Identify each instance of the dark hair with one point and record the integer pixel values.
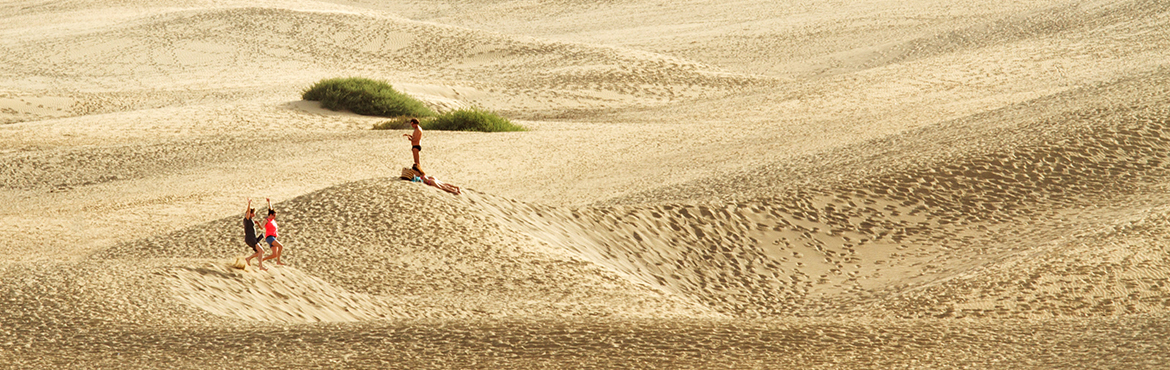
(252, 210)
(272, 212)
(414, 121)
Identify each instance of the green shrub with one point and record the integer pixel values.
(396, 123)
(365, 96)
(473, 119)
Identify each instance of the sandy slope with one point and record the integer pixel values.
(706, 184)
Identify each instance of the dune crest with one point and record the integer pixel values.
(391, 249)
(704, 184)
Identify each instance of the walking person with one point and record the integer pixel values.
(270, 235)
(250, 237)
(415, 138)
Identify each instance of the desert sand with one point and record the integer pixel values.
(704, 184)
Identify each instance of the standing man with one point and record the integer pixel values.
(415, 137)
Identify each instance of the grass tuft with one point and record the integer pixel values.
(396, 123)
(473, 119)
(366, 97)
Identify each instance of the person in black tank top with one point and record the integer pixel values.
(250, 237)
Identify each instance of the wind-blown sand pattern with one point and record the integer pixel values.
(706, 184)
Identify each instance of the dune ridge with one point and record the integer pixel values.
(873, 241)
(386, 248)
(817, 251)
(492, 68)
(706, 184)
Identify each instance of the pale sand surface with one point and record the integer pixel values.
(705, 184)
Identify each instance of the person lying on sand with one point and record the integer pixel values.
(430, 180)
(414, 175)
(415, 139)
(250, 237)
(270, 235)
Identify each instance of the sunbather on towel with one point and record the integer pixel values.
(430, 180)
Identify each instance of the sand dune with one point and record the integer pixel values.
(841, 249)
(231, 54)
(885, 219)
(705, 184)
(420, 252)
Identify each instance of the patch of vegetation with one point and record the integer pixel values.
(473, 119)
(396, 123)
(366, 97)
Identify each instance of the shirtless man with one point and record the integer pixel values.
(415, 137)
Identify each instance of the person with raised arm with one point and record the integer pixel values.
(270, 235)
(250, 237)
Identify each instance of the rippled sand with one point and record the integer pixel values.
(704, 185)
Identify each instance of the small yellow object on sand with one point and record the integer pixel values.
(240, 263)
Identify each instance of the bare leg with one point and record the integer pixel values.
(259, 256)
(442, 185)
(450, 188)
(276, 249)
(416, 164)
(278, 263)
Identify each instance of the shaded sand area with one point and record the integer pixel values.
(705, 184)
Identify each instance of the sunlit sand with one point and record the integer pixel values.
(711, 184)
